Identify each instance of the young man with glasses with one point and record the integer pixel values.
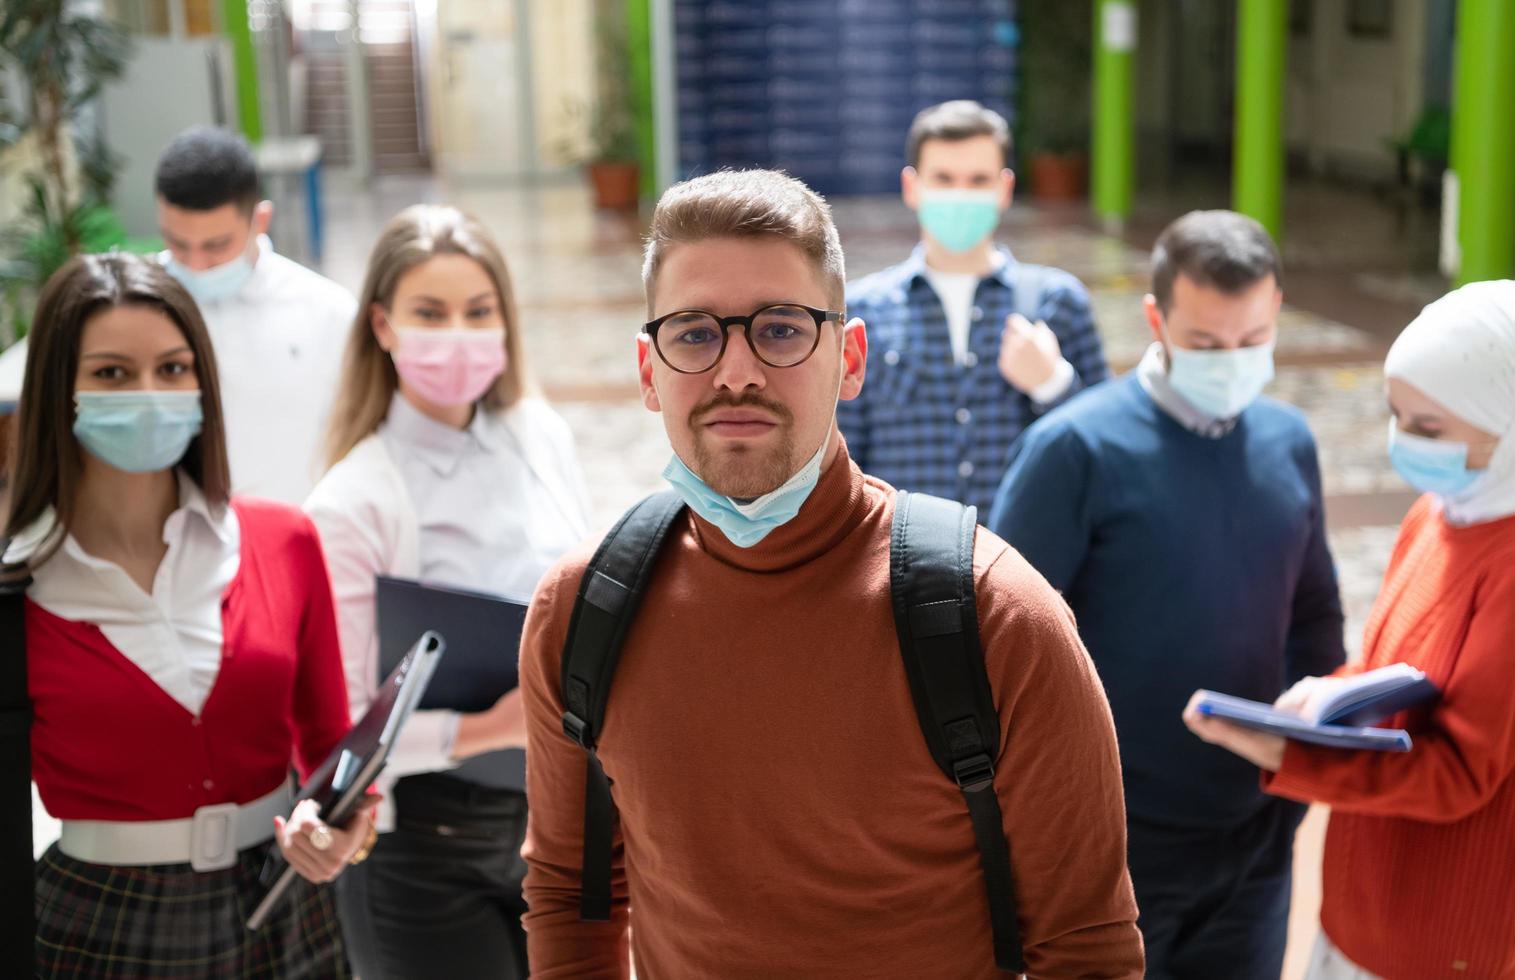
(970, 346)
(779, 810)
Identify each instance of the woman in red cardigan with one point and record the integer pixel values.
(1419, 877)
(181, 648)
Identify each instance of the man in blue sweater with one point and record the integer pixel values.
(1180, 515)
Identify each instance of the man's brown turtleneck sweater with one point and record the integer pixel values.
(780, 812)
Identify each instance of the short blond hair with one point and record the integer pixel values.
(747, 204)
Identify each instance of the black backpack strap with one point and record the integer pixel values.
(608, 596)
(931, 581)
(18, 927)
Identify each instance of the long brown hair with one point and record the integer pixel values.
(369, 381)
(49, 462)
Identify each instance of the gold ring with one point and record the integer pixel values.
(320, 838)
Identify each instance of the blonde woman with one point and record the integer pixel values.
(447, 470)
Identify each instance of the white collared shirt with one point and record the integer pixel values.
(487, 522)
(174, 634)
(278, 345)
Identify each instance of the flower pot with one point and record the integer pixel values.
(616, 185)
(1059, 176)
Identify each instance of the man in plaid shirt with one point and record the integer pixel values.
(967, 347)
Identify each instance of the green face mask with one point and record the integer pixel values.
(958, 220)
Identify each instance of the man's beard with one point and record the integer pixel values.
(739, 471)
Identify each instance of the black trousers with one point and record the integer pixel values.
(440, 896)
(1215, 902)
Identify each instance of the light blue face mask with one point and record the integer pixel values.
(137, 431)
(216, 283)
(958, 219)
(1430, 465)
(1220, 383)
(745, 524)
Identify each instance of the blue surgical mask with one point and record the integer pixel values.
(1430, 465)
(137, 431)
(745, 524)
(216, 283)
(959, 219)
(1220, 383)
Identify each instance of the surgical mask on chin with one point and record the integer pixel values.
(958, 220)
(745, 524)
(1220, 383)
(1431, 465)
(137, 431)
(216, 283)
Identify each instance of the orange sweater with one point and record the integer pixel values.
(780, 813)
(1420, 854)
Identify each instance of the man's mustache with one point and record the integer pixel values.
(749, 400)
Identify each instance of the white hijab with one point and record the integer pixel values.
(1460, 352)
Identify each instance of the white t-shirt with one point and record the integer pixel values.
(956, 291)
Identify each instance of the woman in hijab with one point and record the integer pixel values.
(1419, 876)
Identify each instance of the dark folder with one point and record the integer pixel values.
(483, 634)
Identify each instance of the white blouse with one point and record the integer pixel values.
(488, 508)
(174, 633)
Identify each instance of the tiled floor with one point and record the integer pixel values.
(576, 273)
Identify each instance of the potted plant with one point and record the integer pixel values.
(1056, 64)
(63, 58)
(613, 168)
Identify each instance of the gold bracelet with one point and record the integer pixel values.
(362, 853)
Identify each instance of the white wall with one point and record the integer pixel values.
(1348, 96)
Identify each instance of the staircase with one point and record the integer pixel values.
(386, 31)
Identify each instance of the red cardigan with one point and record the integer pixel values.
(1419, 878)
(109, 744)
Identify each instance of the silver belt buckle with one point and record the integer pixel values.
(213, 837)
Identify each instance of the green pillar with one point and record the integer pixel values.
(1114, 137)
(1483, 139)
(639, 61)
(1262, 28)
(245, 68)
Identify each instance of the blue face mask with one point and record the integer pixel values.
(137, 431)
(217, 282)
(745, 524)
(958, 220)
(1220, 383)
(1430, 465)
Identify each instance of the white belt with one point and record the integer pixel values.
(207, 841)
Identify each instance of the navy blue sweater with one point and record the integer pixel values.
(1189, 562)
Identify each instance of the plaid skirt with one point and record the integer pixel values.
(168, 920)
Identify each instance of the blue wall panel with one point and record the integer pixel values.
(826, 89)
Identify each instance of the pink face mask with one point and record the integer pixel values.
(452, 366)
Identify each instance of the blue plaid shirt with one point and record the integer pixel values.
(927, 424)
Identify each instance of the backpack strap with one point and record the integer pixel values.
(935, 616)
(18, 927)
(1030, 284)
(609, 593)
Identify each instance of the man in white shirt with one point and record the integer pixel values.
(967, 346)
(277, 327)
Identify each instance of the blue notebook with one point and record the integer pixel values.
(483, 634)
(1342, 720)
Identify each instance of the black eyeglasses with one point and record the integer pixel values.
(782, 335)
